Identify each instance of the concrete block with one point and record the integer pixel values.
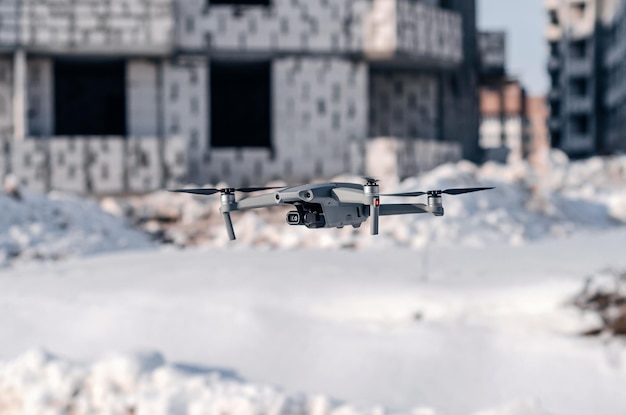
(176, 160)
(67, 164)
(106, 166)
(143, 164)
(29, 160)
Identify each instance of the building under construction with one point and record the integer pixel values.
(132, 95)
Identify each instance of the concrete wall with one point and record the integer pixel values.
(101, 165)
(319, 109)
(401, 158)
(29, 162)
(6, 98)
(414, 30)
(404, 105)
(429, 32)
(92, 26)
(9, 21)
(185, 109)
(311, 25)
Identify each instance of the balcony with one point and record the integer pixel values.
(614, 96)
(144, 28)
(578, 143)
(554, 124)
(554, 33)
(616, 53)
(581, 29)
(414, 32)
(551, 4)
(577, 67)
(554, 94)
(554, 63)
(579, 104)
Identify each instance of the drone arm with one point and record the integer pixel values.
(405, 209)
(256, 202)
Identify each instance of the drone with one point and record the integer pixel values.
(328, 205)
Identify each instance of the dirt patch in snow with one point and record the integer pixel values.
(604, 294)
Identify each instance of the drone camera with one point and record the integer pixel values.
(295, 218)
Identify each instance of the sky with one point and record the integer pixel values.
(524, 22)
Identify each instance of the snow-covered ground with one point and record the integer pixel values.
(476, 320)
(464, 331)
(58, 225)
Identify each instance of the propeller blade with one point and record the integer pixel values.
(206, 192)
(463, 191)
(256, 189)
(410, 194)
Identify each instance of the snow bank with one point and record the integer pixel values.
(143, 384)
(34, 225)
(553, 198)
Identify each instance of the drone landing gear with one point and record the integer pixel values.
(228, 198)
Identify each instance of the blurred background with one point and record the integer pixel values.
(118, 297)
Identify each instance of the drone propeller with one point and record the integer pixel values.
(453, 192)
(371, 181)
(228, 197)
(209, 192)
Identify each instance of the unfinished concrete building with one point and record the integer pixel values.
(133, 95)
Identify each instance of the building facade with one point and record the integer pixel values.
(133, 95)
(587, 42)
(504, 128)
(614, 67)
(504, 122)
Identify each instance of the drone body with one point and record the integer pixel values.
(328, 205)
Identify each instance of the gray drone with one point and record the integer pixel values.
(328, 205)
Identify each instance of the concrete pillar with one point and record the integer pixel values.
(20, 121)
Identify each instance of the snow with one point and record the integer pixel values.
(58, 225)
(472, 313)
(467, 331)
(144, 384)
(555, 199)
